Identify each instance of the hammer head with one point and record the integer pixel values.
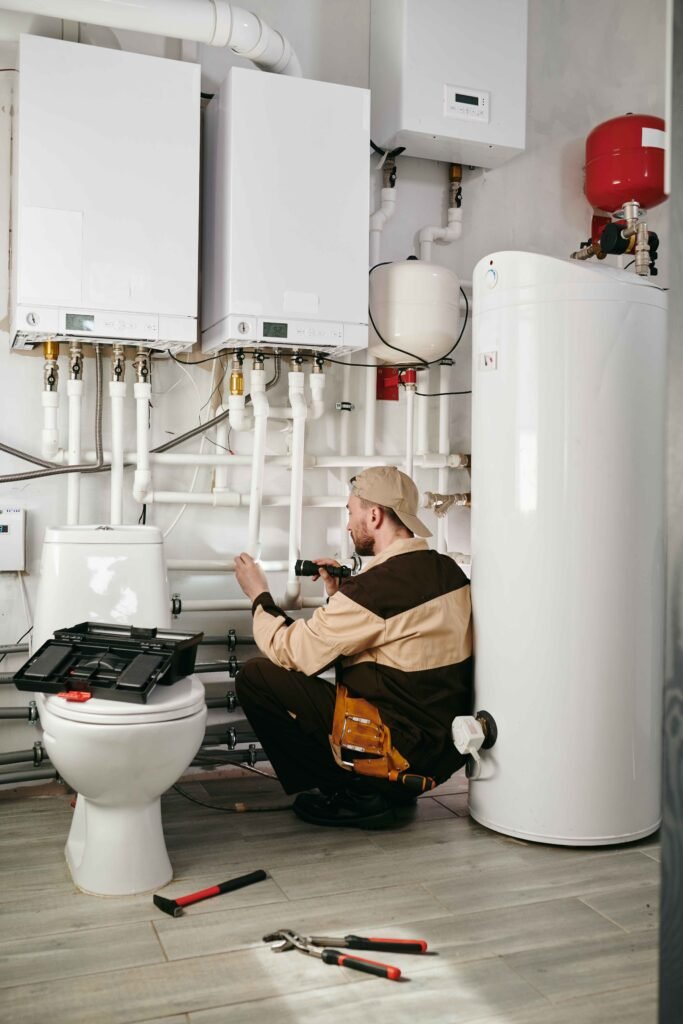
(168, 906)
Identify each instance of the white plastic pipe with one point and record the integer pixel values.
(370, 408)
(344, 431)
(202, 565)
(117, 395)
(410, 431)
(220, 482)
(450, 233)
(317, 404)
(214, 22)
(430, 460)
(239, 417)
(297, 401)
(74, 390)
(260, 406)
(422, 441)
(50, 446)
(142, 481)
(377, 221)
(242, 604)
(444, 442)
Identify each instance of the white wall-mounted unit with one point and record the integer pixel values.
(568, 571)
(285, 219)
(448, 78)
(105, 196)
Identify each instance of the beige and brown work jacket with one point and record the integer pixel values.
(401, 630)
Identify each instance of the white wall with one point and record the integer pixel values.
(588, 61)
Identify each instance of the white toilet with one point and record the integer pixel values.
(118, 756)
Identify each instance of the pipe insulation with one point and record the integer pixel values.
(214, 22)
(37, 775)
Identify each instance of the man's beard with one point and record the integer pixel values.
(363, 543)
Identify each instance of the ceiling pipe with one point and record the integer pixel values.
(214, 22)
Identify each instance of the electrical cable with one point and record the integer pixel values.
(629, 264)
(242, 809)
(438, 394)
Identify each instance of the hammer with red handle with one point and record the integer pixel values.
(175, 907)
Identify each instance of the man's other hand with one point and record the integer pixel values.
(332, 583)
(250, 576)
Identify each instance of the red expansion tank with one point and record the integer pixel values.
(625, 161)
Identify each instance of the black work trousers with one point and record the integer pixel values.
(291, 713)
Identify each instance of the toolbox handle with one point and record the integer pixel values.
(143, 632)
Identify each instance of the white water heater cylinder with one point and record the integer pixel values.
(568, 547)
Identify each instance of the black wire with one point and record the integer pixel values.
(3, 656)
(384, 341)
(231, 810)
(437, 394)
(629, 264)
(196, 362)
(143, 516)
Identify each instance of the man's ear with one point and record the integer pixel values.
(376, 516)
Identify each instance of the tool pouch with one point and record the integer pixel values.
(361, 743)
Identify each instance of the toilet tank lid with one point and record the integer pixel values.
(103, 535)
(165, 703)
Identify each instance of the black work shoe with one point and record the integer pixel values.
(347, 808)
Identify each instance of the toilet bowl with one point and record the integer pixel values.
(118, 756)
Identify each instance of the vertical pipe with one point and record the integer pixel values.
(344, 542)
(261, 409)
(410, 430)
(444, 447)
(117, 394)
(298, 403)
(422, 443)
(370, 408)
(74, 390)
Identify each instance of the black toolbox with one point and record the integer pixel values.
(100, 659)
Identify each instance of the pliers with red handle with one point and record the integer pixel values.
(311, 944)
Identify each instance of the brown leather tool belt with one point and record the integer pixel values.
(361, 743)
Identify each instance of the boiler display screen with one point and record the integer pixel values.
(274, 330)
(79, 322)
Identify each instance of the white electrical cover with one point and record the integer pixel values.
(12, 539)
(285, 219)
(106, 196)
(448, 78)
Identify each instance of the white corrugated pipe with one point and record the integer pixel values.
(142, 481)
(260, 405)
(117, 394)
(440, 234)
(297, 401)
(74, 390)
(214, 22)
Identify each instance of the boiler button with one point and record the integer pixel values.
(491, 277)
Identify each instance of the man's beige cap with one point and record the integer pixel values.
(388, 486)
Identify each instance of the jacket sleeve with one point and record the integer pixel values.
(342, 627)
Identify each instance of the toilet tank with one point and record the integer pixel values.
(569, 364)
(101, 574)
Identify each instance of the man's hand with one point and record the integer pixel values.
(332, 583)
(250, 576)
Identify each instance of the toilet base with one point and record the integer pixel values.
(117, 851)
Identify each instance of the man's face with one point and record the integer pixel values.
(358, 526)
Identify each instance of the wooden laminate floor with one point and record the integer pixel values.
(521, 933)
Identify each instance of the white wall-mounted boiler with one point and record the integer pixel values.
(448, 78)
(105, 203)
(285, 214)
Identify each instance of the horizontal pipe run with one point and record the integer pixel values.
(427, 460)
(13, 649)
(6, 677)
(18, 756)
(38, 775)
(24, 713)
(218, 666)
(222, 641)
(240, 605)
(211, 565)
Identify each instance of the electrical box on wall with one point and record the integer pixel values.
(12, 539)
(285, 219)
(448, 78)
(106, 196)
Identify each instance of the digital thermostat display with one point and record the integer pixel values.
(271, 330)
(462, 97)
(79, 322)
(4, 528)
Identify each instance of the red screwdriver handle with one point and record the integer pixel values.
(333, 956)
(386, 945)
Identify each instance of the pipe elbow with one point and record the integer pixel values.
(292, 599)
